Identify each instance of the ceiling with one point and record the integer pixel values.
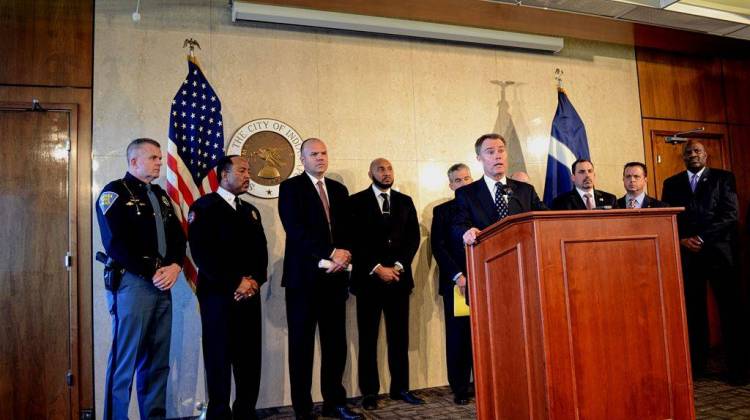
(730, 18)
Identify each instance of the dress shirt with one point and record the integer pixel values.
(491, 186)
(638, 199)
(227, 196)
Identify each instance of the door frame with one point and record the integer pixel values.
(74, 294)
(653, 128)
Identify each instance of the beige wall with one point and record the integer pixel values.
(421, 104)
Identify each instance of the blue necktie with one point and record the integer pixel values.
(500, 205)
(694, 182)
(161, 237)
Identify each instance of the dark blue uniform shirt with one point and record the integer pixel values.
(128, 227)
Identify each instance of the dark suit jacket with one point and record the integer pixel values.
(710, 212)
(448, 252)
(308, 239)
(571, 200)
(475, 206)
(377, 239)
(648, 202)
(226, 244)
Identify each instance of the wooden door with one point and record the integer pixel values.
(38, 353)
(664, 159)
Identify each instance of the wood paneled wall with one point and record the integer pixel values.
(46, 53)
(709, 89)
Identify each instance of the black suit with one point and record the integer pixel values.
(383, 239)
(450, 257)
(228, 244)
(710, 213)
(314, 298)
(475, 206)
(571, 200)
(648, 203)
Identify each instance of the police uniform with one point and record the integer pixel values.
(141, 313)
(227, 243)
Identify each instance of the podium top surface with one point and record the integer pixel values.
(575, 214)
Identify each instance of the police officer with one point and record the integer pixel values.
(228, 245)
(146, 244)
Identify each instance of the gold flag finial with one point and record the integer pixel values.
(191, 43)
(559, 77)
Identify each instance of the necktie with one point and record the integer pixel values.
(500, 205)
(324, 200)
(589, 201)
(161, 237)
(386, 204)
(237, 203)
(694, 182)
(632, 203)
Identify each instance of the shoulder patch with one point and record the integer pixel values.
(106, 200)
(191, 217)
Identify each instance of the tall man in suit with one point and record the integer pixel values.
(494, 196)
(385, 238)
(634, 179)
(583, 196)
(313, 213)
(450, 257)
(708, 235)
(228, 245)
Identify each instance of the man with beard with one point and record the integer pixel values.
(228, 245)
(450, 257)
(634, 179)
(708, 239)
(583, 196)
(494, 196)
(313, 211)
(385, 238)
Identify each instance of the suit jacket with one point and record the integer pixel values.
(475, 206)
(378, 239)
(710, 212)
(448, 252)
(308, 239)
(571, 200)
(648, 202)
(226, 244)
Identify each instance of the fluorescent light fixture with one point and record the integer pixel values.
(380, 25)
(709, 13)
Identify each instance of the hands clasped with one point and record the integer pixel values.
(247, 288)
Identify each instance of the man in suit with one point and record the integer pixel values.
(494, 196)
(313, 213)
(228, 245)
(634, 178)
(708, 238)
(450, 257)
(385, 237)
(583, 196)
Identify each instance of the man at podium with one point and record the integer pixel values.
(492, 197)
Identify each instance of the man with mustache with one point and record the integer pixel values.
(708, 239)
(228, 245)
(583, 196)
(385, 238)
(492, 197)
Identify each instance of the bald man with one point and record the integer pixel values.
(385, 237)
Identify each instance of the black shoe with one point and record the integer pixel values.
(370, 402)
(407, 397)
(305, 416)
(461, 399)
(341, 411)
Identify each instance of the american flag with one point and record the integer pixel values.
(196, 143)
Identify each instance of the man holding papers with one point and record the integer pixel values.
(313, 211)
(450, 258)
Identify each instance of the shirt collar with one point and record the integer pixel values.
(699, 173)
(377, 191)
(491, 183)
(315, 180)
(638, 198)
(582, 192)
(227, 196)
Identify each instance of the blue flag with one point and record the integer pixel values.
(568, 143)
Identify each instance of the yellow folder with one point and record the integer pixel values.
(460, 308)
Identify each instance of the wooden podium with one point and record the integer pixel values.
(580, 315)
